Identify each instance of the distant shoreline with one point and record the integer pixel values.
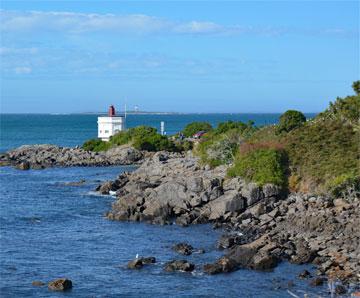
(157, 113)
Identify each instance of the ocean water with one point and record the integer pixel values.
(72, 130)
(49, 229)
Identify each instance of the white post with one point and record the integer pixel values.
(162, 127)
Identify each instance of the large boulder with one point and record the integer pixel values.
(195, 184)
(231, 201)
(271, 190)
(253, 193)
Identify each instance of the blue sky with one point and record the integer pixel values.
(186, 56)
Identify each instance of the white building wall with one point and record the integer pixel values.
(108, 126)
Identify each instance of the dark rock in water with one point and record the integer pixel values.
(76, 183)
(106, 187)
(317, 281)
(62, 284)
(24, 165)
(37, 283)
(304, 274)
(223, 265)
(135, 264)
(179, 265)
(138, 263)
(340, 290)
(183, 248)
(148, 260)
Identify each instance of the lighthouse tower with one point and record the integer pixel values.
(110, 124)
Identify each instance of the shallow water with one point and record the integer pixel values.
(51, 230)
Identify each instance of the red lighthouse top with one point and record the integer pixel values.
(111, 111)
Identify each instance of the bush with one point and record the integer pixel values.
(141, 137)
(194, 127)
(96, 145)
(121, 138)
(345, 109)
(356, 87)
(345, 186)
(290, 120)
(322, 150)
(155, 142)
(261, 166)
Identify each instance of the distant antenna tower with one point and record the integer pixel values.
(125, 110)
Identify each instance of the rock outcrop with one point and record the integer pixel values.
(264, 226)
(43, 156)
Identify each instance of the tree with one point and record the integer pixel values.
(290, 120)
(194, 127)
(356, 87)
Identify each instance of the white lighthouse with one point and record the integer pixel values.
(110, 124)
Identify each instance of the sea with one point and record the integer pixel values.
(51, 229)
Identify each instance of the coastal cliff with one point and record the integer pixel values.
(264, 225)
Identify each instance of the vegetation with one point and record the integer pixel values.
(290, 120)
(141, 137)
(261, 165)
(320, 155)
(221, 145)
(96, 145)
(194, 127)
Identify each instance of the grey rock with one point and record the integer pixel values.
(230, 202)
(252, 192)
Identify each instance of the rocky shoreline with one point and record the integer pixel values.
(264, 225)
(43, 156)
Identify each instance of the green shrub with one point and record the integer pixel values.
(185, 145)
(121, 138)
(141, 131)
(290, 120)
(344, 109)
(96, 145)
(261, 166)
(356, 87)
(194, 127)
(323, 150)
(155, 142)
(344, 186)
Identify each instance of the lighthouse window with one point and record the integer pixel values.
(106, 131)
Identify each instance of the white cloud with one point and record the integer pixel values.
(199, 27)
(15, 51)
(76, 23)
(22, 70)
